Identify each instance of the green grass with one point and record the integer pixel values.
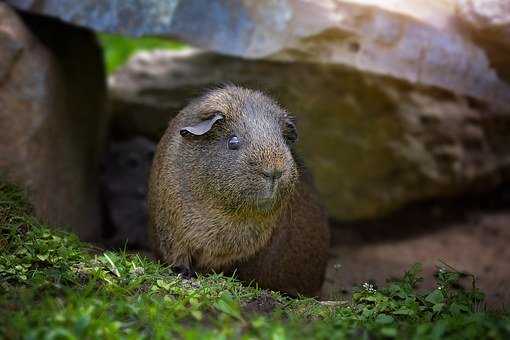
(117, 49)
(52, 286)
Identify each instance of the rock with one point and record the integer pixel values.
(124, 177)
(373, 143)
(488, 22)
(52, 92)
(418, 41)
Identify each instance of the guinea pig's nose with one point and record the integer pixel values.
(273, 174)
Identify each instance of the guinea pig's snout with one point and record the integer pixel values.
(272, 174)
(271, 178)
(271, 167)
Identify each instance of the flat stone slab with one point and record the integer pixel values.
(419, 41)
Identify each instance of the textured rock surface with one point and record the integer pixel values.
(52, 120)
(419, 41)
(372, 143)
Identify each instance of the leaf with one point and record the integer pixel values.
(197, 314)
(390, 332)
(82, 323)
(227, 305)
(370, 298)
(438, 307)
(404, 311)
(113, 267)
(42, 257)
(435, 297)
(456, 308)
(384, 319)
(163, 284)
(259, 322)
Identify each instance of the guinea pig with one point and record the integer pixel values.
(228, 193)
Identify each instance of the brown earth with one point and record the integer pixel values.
(471, 235)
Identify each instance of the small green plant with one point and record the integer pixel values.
(399, 303)
(54, 286)
(117, 49)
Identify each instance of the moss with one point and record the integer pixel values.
(117, 49)
(54, 286)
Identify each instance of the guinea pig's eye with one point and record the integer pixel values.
(233, 143)
(290, 132)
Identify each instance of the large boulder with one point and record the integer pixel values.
(373, 143)
(415, 40)
(52, 117)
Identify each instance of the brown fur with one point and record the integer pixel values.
(211, 208)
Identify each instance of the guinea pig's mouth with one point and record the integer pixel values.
(265, 204)
(268, 199)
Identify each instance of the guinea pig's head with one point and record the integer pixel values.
(236, 145)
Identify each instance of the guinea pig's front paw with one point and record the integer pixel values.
(185, 272)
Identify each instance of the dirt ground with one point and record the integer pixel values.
(471, 235)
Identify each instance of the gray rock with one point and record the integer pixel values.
(52, 92)
(414, 40)
(373, 143)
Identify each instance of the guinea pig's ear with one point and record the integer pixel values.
(201, 128)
